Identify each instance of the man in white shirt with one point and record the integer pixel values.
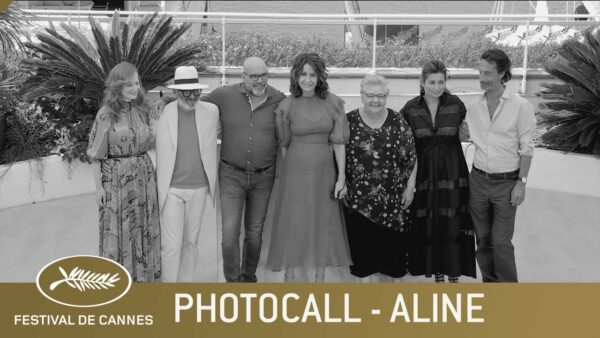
(501, 126)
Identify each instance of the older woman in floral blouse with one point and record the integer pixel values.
(380, 174)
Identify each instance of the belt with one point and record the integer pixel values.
(257, 171)
(126, 156)
(509, 176)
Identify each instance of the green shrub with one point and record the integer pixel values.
(459, 49)
(30, 134)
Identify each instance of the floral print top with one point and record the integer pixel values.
(378, 165)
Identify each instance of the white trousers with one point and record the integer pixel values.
(180, 223)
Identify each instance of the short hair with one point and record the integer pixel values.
(501, 60)
(432, 67)
(113, 86)
(317, 63)
(374, 80)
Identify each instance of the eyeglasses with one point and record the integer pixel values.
(255, 77)
(188, 93)
(372, 96)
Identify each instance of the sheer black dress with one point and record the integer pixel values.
(443, 240)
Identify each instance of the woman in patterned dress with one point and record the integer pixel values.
(125, 178)
(444, 242)
(380, 173)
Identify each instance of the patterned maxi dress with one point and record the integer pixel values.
(307, 224)
(444, 241)
(129, 220)
(378, 164)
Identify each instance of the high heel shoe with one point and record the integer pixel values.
(288, 276)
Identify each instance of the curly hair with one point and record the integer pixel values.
(113, 86)
(317, 63)
(374, 80)
(502, 62)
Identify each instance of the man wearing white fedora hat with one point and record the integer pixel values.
(247, 168)
(186, 167)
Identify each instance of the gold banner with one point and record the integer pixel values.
(311, 310)
(4, 4)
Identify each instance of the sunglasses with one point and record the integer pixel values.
(188, 93)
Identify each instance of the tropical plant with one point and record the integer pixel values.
(73, 66)
(31, 133)
(13, 27)
(76, 66)
(571, 110)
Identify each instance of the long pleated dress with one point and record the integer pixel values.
(443, 237)
(129, 220)
(307, 224)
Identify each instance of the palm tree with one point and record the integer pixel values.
(76, 66)
(13, 24)
(13, 28)
(571, 109)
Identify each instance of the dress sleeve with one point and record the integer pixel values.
(462, 110)
(404, 117)
(98, 140)
(282, 122)
(408, 141)
(341, 131)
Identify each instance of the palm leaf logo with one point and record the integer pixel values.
(83, 280)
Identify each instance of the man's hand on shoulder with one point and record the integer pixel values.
(157, 107)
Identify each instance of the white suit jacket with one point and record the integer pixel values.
(207, 123)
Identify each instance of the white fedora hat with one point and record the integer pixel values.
(186, 78)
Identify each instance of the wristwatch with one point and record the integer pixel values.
(523, 179)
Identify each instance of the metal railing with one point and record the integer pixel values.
(225, 18)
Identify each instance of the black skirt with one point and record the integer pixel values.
(375, 248)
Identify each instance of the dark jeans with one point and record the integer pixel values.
(239, 189)
(494, 222)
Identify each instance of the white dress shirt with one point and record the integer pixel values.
(500, 141)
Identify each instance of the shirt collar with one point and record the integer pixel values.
(505, 95)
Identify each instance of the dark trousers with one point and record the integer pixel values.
(247, 195)
(494, 223)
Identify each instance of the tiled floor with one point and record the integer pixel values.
(557, 239)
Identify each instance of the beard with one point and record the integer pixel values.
(259, 91)
(187, 103)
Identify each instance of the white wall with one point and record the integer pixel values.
(19, 183)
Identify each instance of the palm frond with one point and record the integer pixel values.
(13, 28)
(106, 60)
(76, 65)
(81, 39)
(571, 109)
